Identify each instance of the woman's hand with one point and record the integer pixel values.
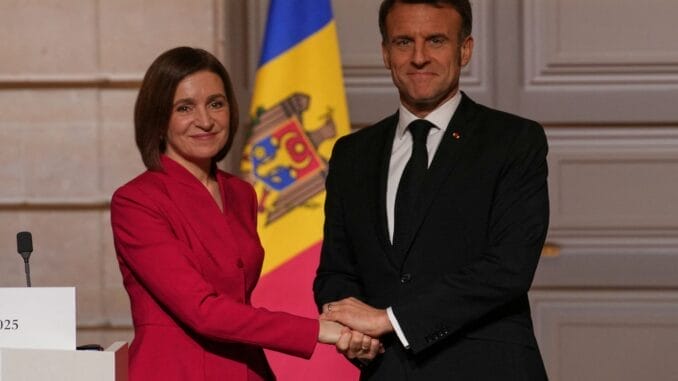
(330, 332)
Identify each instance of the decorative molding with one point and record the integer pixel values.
(42, 203)
(557, 315)
(219, 28)
(589, 231)
(99, 80)
(548, 64)
(103, 79)
(256, 13)
(477, 75)
(102, 323)
(598, 248)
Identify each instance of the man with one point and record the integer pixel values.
(432, 238)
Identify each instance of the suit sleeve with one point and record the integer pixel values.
(336, 275)
(505, 268)
(162, 265)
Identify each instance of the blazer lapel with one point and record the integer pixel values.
(383, 149)
(199, 210)
(444, 162)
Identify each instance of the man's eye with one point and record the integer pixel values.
(403, 43)
(437, 41)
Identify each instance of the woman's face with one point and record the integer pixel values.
(198, 127)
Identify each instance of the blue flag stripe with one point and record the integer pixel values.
(291, 21)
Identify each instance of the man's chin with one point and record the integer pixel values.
(425, 101)
(425, 104)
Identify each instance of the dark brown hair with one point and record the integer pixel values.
(463, 7)
(153, 107)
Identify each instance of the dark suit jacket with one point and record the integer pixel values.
(460, 295)
(189, 270)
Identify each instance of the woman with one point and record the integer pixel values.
(186, 240)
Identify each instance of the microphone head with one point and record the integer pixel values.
(24, 242)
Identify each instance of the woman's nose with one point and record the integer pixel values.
(203, 118)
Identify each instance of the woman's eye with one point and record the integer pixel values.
(183, 108)
(217, 104)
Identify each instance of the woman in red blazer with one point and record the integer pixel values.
(186, 240)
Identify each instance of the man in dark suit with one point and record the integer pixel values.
(435, 217)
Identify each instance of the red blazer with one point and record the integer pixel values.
(189, 270)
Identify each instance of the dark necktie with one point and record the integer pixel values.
(409, 185)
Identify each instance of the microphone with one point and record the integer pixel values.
(24, 245)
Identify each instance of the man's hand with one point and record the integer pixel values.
(358, 316)
(355, 345)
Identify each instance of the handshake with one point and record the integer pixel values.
(354, 328)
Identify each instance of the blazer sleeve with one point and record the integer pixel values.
(504, 270)
(145, 241)
(336, 277)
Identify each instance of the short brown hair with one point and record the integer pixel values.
(153, 107)
(463, 7)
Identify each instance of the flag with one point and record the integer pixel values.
(298, 111)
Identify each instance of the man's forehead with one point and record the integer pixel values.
(427, 19)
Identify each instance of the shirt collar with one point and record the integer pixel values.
(440, 117)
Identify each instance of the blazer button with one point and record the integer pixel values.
(404, 278)
(240, 263)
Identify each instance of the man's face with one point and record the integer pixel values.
(424, 54)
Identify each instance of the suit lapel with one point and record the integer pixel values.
(198, 209)
(444, 161)
(384, 145)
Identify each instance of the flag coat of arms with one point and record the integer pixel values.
(298, 110)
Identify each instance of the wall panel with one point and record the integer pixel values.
(605, 61)
(608, 335)
(612, 193)
(48, 38)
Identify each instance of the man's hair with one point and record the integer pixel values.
(153, 107)
(463, 7)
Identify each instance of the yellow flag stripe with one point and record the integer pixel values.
(312, 67)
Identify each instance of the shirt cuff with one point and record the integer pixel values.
(396, 328)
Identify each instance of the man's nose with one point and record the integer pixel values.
(419, 54)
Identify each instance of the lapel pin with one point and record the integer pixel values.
(456, 135)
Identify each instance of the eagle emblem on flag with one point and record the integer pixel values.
(283, 156)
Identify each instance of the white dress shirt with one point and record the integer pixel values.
(400, 155)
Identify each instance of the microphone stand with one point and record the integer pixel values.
(28, 270)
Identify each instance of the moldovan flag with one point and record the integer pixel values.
(298, 111)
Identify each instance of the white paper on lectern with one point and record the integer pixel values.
(45, 317)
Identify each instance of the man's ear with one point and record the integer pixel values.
(466, 51)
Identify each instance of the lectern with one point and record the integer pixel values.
(37, 340)
(64, 365)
